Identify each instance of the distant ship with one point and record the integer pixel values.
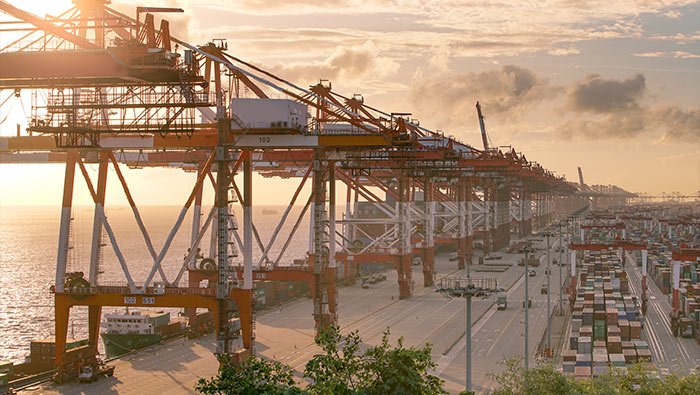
(269, 211)
(122, 333)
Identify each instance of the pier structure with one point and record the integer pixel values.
(117, 90)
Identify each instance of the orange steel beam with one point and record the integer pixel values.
(599, 246)
(71, 12)
(45, 25)
(359, 107)
(686, 254)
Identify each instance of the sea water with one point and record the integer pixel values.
(29, 245)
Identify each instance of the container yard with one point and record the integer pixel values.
(619, 317)
(606, 327)
(159, 258)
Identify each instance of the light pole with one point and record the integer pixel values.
(527, 311)
(458, 287)
(469, 328)
(561, 296)
(549, 301)
(469, 342)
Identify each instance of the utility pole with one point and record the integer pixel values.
(561, 296)
(549, 300)
(469, 342)
(469, 327)
(527, 311)
(467, 287)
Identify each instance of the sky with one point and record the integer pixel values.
(610, 86)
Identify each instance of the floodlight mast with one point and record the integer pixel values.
(452, 286)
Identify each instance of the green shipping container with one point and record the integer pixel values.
(599, 330)
(6, 367)
(158, 319)
(3, 378)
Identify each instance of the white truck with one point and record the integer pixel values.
(502, 303)
(90, 373)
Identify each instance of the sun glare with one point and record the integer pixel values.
(42, 8)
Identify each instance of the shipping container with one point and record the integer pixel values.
(617, 359)
(644, 355)
(581, 372)
(6, 367)
(569, 355)
(573, 343)
(600, 370)
(584, 360)
(569, 367)
(584, 345)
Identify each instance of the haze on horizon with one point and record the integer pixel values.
(613, 87)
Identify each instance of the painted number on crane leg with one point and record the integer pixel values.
(264, 140)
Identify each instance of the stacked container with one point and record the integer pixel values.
(605, 319)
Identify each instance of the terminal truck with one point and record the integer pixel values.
(502, 302)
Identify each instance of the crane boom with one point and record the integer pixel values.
(580, 179)
(484, 139)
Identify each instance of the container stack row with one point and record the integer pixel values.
(273, 293)
(605, 330)
(660, 269)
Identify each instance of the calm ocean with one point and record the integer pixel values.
(28, 249)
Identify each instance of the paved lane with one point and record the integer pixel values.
(669, 353)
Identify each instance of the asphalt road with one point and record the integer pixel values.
(500, 334)
(669, 353)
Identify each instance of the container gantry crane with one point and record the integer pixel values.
(117, 92)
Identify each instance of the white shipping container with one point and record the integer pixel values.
(269, 113)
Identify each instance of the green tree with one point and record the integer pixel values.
(344, 369)
(542, 379)
(335, 371)
(255, 376)
(400, 370)
(635, 379)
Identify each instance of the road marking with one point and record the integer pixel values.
(501, 335)
(679, 344)
(651, 335)
(665, 322)
(447, 359)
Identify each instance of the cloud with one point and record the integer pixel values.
(650, 54)
(615, 111)
(679, 38)
(612, 126)
(347, 62)
(685, 55)
(508, 91)
(300, 5)
(441, 59)
(504, 28)
(277, 4)
(676, 123)
(597, 95)
(563, 51)
(670, 123)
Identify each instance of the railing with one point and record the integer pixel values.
(125, 290)
(465, 283)
(36, 45)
